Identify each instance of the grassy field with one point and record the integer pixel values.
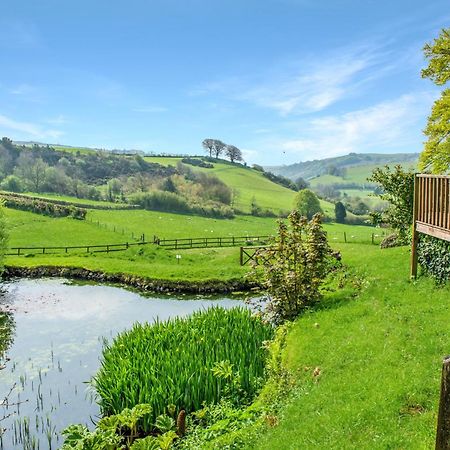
(357, 174)
(378, 356)
(32, 230)
(27, 229)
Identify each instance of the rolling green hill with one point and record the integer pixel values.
(355, 167)
(249, 186)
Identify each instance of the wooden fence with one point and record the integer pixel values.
(431, 213)
(103, 248)
(203, 242)
(254, 254)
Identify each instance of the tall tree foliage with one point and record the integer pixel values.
(397, 189)
(340, 212)
(307, 203)
(436, 154)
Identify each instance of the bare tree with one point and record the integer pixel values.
(219, 148)
(208, 145)
(233, 153)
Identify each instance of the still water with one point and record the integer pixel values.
(57, 332)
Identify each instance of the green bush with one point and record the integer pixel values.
(293, 270)
(184, 362)
(172, 202)
(434, 257)
(161, 201)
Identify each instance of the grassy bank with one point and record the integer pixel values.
(367, 367)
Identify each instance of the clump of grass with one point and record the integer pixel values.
(175, 362)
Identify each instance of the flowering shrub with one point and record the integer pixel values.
(293, 270)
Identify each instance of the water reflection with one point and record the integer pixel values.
(59, 331)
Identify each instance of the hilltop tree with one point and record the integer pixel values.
(233, 153)
(340, 212)
(219, 148)
(208, 145)
(436, 154)
(307, 203)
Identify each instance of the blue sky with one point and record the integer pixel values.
(284, 80)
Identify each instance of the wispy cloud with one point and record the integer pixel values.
(386, 126)
(26, 130)
(314, 86)
(309, 84)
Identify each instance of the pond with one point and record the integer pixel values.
(57, 331)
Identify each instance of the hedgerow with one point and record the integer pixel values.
(40, 206)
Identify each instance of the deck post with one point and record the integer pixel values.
(415, 234)
(443, 424)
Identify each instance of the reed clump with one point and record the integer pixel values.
(175, 363)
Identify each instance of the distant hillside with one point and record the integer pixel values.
(337, 166)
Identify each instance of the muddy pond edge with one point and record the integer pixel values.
(145, 284)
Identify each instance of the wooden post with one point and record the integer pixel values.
(373, 239)
(415, 234)
(345, 237)
(242, 256)
(443, 424)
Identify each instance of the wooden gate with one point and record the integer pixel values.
(431, 211)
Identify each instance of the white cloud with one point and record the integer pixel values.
(313, 87)
(386, 126)
(26, 130)
(308, 84)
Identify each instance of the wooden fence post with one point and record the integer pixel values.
(415, 234)
(242, 256)
(345, 237)
(373, 239)
(443, 424)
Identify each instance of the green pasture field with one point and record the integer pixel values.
(33, 230)
(357, 174)
(28, 229)
(377, 354)
(172, 226)
(150, 261)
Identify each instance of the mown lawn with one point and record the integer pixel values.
(378, 358)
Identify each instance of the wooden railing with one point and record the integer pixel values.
(431, 210)
(203, 242)
(102, 248)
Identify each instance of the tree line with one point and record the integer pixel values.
(216, 148)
